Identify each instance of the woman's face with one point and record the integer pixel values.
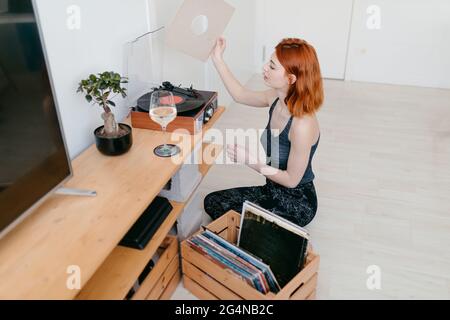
(275, 74)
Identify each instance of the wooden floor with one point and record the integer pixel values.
(383, 181)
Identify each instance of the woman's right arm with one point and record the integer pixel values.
(237, 91)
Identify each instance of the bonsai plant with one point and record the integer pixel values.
(111, 138)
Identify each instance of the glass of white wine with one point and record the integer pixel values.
(163, 110)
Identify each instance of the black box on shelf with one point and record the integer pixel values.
(147, 224)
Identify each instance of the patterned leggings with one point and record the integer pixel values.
(298, 205)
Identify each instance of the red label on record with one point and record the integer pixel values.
(170, 100)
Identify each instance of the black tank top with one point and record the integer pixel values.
(277, 148)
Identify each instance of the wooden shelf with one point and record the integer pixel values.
(69, 231)
(120, 270)
(171, 287)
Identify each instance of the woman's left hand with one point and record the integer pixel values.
(240, 154)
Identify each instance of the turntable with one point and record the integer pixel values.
(194, 109)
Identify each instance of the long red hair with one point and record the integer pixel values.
(305, 95)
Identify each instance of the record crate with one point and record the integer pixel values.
(206, 280)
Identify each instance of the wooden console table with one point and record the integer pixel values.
(84, 231)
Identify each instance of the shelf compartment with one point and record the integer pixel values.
(123, 266)
(163, 271)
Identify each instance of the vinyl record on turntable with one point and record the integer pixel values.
(185, 99)
(181, 103)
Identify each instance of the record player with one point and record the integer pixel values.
(194, 109)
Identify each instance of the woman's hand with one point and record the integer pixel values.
(219, 48)
(240, 154)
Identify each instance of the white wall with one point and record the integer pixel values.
(323, 23)
(73, 54)
(412, 47)
(101, 44)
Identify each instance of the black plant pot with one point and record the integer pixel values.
(114, 146)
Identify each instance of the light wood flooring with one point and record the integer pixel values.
(383, 182)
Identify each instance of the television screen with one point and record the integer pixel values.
(33, 157)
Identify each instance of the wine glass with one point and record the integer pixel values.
(163, 110)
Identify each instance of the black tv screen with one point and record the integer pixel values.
(33, 157)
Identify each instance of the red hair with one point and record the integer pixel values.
(305, 95)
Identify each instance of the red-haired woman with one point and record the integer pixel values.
(295, 94)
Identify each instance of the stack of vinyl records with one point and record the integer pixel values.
(278, 242)
(249, 268)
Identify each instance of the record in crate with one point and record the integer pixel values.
(194, 109)
(276, 241)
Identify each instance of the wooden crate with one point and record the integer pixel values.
(207, 280)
